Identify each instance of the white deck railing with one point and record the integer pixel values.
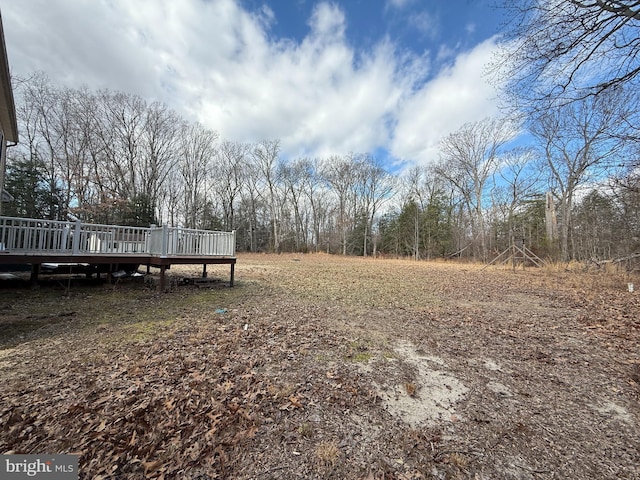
(28, 235)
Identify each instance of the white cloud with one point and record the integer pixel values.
(328, 21)
(316, 96)
(214, 62)
(425, 23)
(398, 3)
(457, 95)
(75, 43)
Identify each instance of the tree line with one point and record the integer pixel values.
(114, 158)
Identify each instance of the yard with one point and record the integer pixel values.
(318, 366)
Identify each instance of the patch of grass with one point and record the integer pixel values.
(305, 429)
(128, 315)
(93, 358)
(358, 345)
(327, 454)
(146, 330)
(222, 297)
(322, 358)
(361, 357)
(18, 327)
(458, 460)
(281, 391)
(359, 351)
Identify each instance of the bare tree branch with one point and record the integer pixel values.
(559, 51)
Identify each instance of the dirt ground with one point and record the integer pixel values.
(318, 366)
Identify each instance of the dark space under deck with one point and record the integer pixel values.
(114, 260)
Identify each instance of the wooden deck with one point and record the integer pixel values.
(28, 241)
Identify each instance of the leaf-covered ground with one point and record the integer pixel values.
(317, 366)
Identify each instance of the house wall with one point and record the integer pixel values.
(8, 121)
(3, 167)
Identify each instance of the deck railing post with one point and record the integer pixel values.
(76, 237)
(165, 240)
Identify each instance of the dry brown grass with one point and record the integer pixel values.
(130, 378)
(327, 454)
(410, 388)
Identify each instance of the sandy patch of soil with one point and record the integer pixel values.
(429, 397)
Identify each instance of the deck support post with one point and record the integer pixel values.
(233, 268)
(163, 278)
(204, 270)
(35, 271)
(111, 270)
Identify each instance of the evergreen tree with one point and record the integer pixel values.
(26, 181)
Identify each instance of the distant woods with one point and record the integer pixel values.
(114, 158)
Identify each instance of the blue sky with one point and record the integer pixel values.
(384, 76)
(418, 25)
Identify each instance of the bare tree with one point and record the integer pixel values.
(340, 173)
(294, 176)
(265, 155)
(58, 128)
(170, 197)
(518, 181)
(469, 160)
(100, 193)
(314, 189)
(196, 150)
(558, 51)
(54, 136)
(38, 115)
(120, 127)
(159, 144)
(251, 204)
(375, 187)
(228, 177)
(580, 143)
(626, 190)
(80, 151)
(598, 228)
